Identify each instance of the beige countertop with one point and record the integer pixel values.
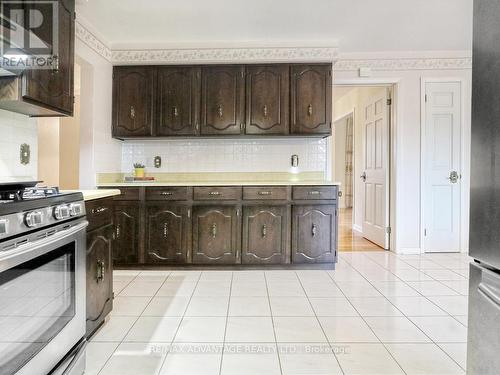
(90, 195)
(219, 179)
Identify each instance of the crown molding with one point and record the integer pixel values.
(225, 55)
(404, 64)
(92, 41)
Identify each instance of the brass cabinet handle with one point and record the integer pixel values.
(220, 111)
(314, 230)
(309, 110)
(100, 270)
(314, 192)
(265, 193)
(165, 230)
(118, 230)
(132, 112)
(175, 111)
(214, 193)
(265, 111)
(264, 231)
(99, 210)
(214, 230)
(167, 193)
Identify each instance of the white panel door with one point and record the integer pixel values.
(441, 167)
(375, 175)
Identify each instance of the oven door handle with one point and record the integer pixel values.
(31, 250)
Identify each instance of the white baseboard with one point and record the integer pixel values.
(357, 228)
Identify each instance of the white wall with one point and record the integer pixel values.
(99, 151)
(407, 148)
(230, 155)
(16, 129)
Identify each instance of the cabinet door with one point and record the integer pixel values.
(311, 99)
(168, 230)
(267, 99)
(216, 234)
(222, 100)
(126, 244)
(99, 277)
(133, 98)
(54, 88)
(264, 234)
(178, 101)
(314, 234)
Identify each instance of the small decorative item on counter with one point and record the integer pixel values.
(139, 170)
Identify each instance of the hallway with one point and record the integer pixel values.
(350, 240)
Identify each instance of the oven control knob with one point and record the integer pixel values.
(62, 212)
(76, 209)
(34, 219)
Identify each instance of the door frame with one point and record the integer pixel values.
(333, 148)
(464, 160)
(394, 117)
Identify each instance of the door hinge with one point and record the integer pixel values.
(425, 232)
(426, 98)
(388, 230)
(389, 101)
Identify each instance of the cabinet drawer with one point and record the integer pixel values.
(314, 192)
(128, 194)
(265, 193)
(217, 193)
(167, 194)
(99, 213)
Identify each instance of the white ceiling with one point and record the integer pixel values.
(351, 25)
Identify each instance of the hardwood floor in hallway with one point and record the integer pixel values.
(350, 240)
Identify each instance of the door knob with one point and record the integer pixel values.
(363, 176)
(454, 177)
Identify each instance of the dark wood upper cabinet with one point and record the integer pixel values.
(168, 231)
(46, 92)
(127, 232)
(265, 235)
(267, 99)
(133, 101)
(222, 99)
(314, 237)
(216, 234)
(311, 99)
(178, 101)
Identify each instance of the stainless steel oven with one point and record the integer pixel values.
(42, 300)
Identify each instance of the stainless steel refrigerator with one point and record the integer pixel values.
(483, 356)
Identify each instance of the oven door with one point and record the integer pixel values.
(42, 300)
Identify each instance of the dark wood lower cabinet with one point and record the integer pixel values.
(216, 234)
(314, 234)
(127, 218)
(265, 235)
(168, 234)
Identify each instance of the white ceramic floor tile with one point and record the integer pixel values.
(249, 329)
(152, 276)
(347, 329)
(153, 329)
(181, 288)
(441, 328)
(453, 305)
(464, 319)
(250, 363)
(207, 306)
(298, 329)
(201, 329)
(374, 306)
(291, 306)
(118, 286)
(134, 359)
(249, 306)
(97, 354)
(393, 289)
(416, 306)
(366, 359)
(461, 286)
(166, 306)
(443, 274)
(358, 289)
(285, 288)
(333, 307)
(458, 352)
(412, 275)
(309, 364)
(141, 289)
(191, 364)
(424, 359)
(115, 329)
(212, 289)
(396, 329)
(129, 306)
(183, 276)
(322, 289)
(249, 289)
(432, 288)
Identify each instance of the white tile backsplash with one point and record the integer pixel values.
(16, 129)
(226, 155)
